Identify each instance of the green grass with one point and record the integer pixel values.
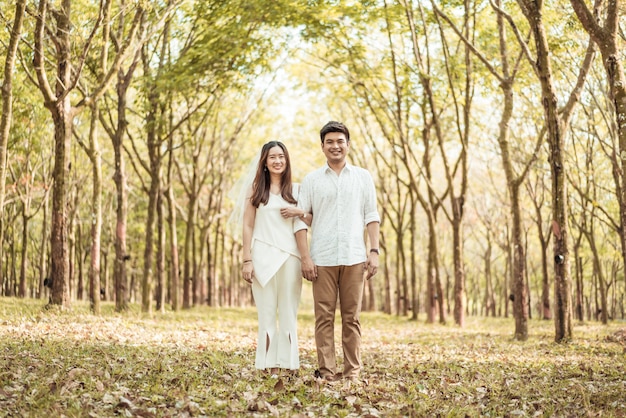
(200, 362)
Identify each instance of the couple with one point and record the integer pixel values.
(338, 201)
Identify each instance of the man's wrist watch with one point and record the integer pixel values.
(374, 250)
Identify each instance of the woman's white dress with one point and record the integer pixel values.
(277, 286)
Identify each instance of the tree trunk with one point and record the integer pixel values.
(121, 188)
(96, 214)
(119, 266)
(412, 266)
(562, 282)
(386, 279)
(104, 277)
(520, 290)
(153, 196)
(537, 198)
(489, 301)
(171, 207)
(546, 312)
(190, 294)
(160, 255)
(6, 118)
(434, 298)
(599, 274)
(77, 246)
(212, 283)
(96, 161)
(75, 230)
(579, 289)
(460, 298)
(59, 234)
(43, 262)
(24, 259)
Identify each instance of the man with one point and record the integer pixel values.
(342, 199)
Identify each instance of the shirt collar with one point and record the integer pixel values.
(347, 167)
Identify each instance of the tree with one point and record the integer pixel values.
(7, 112)
(514, 177)
(556, 126)
(26, 178)
(55, 26)
(456, 171)
(604, 32)
(536, 189)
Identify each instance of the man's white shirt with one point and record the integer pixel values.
(342, 205)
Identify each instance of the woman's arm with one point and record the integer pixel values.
(249, 216)
(293, 211)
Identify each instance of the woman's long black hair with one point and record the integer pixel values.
(261, 184)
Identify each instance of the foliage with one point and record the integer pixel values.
(200, 363)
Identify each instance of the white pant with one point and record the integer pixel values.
(277, 306)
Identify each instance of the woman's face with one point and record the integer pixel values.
(276, 161)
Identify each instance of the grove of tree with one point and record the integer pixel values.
(495, 132)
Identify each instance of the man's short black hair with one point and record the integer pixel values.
(334, 126)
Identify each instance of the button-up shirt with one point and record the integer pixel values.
(342, 205)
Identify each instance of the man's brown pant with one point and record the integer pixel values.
(347, 282)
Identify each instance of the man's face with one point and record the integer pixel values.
(335, 147)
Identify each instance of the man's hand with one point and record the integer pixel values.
(371, 265)
(309, 269)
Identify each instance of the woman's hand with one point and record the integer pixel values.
(291, 212)
(248, 271)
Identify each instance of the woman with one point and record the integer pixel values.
(271, 261)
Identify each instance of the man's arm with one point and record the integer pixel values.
(309, 269)
(372, 220)
(372, 263)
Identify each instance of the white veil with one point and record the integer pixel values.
(237, 195)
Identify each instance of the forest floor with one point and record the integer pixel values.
(200, 362)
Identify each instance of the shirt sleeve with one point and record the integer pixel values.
(370, 210)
